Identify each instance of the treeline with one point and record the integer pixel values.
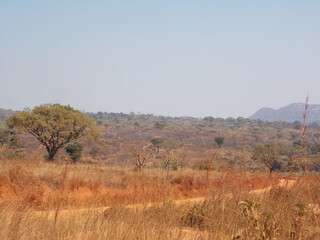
(209, 121)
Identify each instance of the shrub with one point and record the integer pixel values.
(219, 140)
(195, 217)
(75, 151)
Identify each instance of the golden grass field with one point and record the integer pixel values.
(42, 200)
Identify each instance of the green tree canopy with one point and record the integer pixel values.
(74, 149)
(157, 141)
(160, 125)
(53, 125)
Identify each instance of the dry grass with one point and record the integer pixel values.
(42, 200)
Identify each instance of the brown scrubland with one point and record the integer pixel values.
(44, 200)
(167, 179)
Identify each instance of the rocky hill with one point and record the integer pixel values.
(290, 113)
(6, 113)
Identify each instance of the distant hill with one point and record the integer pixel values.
(5, 114)
(290, 113)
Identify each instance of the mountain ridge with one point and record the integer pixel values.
(290, 113)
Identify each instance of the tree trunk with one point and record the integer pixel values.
(270, 172)
(51, 153)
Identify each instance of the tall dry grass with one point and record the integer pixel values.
(42, 200)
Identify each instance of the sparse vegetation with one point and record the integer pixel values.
(91, 202)
(176, 186)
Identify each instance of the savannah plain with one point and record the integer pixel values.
(132, 120)
(150, 177)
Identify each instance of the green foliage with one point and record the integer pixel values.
(54, 125)
(297, 143)
(169, 144)
(291, 151)
(137, 124)
(160, 125)
(157, 141)
(9, 137)
(18, 153)
(268, 155)
(219, 141)
(74, 149)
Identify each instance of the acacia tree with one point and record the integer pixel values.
(53, 125)
(268, 155)
(157, 141)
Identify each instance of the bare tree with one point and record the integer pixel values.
(141, 157)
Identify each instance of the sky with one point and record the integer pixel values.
(173, 58)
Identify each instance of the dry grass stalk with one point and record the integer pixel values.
(303, 134)
(283, 209)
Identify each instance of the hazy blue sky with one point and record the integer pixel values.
(195, 58)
